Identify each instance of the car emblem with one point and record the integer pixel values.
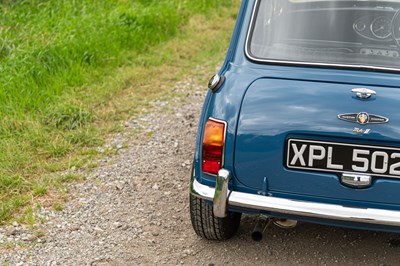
(361, 131)
(363, 118)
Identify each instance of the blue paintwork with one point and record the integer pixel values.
(273, 111)
(266, 104)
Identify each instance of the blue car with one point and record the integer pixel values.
(302, 122)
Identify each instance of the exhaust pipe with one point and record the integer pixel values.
(260, 228)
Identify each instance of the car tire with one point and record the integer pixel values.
(206, 225)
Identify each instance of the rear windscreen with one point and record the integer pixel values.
(341, 33)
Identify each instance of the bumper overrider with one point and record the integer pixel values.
(222, 198)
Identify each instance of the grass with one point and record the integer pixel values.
(72, 70)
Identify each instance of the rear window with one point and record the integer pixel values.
(356, 34)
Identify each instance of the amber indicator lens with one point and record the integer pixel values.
(213, 146)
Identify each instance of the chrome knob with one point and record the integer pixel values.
(363, 93)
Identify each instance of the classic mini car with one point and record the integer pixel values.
(302, 122)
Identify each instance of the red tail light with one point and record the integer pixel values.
(213, 146)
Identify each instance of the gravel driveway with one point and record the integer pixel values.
(133, 210)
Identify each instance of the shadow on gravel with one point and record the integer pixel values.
(307, 244)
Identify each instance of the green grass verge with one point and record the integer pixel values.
(71, 70)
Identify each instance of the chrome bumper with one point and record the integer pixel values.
(223, 198)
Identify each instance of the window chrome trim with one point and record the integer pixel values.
(300, 63)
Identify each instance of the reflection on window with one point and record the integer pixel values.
(348, 33)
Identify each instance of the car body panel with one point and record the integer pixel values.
(275, 110)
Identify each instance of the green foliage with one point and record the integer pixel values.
(58, 207)
(47, 47)
(57, 58)
(68, 116)
(68, 178)
(40, 190)
(9, 205)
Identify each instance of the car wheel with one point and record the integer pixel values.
(206, 225)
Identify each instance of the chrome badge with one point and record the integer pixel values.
(363, 93)
(361, 131)
(356, 180)
(363, 118)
